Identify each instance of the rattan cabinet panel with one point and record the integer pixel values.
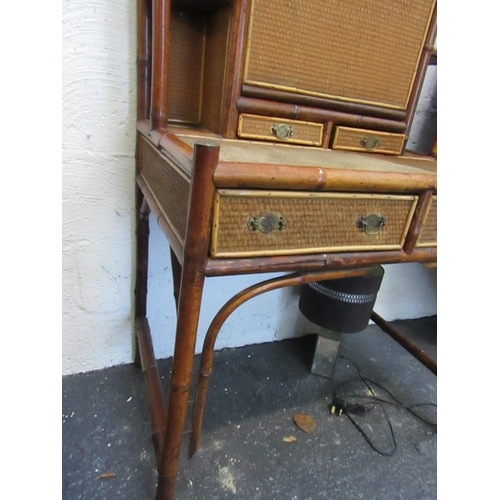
(428, 236)
(374, 43)
(186, 69)
(353, 139)
(169, 185)
(295, 223)
(280, 130)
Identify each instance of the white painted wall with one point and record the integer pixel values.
(98, 220)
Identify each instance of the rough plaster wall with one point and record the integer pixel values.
(98, 177)
(98, 223)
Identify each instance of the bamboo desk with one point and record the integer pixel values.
(230, 207)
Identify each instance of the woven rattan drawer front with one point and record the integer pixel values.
(169, 186)
(428, 236)
(254, 223)
(279, 130)
(356, 139)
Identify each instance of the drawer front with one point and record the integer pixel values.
(256, 223)
(280, 130)
(428, 236)
(355, 139)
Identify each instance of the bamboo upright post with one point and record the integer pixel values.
(161, 52)
(141, 265)
(417, 222)
(176, 276)
(196, 247)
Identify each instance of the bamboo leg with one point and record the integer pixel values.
(154, 390)
(176, 276)
(142, 249)
(413, 349)
(179, 386)
(196, 247)
(230, 306)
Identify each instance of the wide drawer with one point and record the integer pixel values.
(254, 223)
(280, 130)
(428, 236)
(355, 139)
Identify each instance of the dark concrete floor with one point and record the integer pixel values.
(254, 393)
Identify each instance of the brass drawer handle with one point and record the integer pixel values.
(371, 224)
(370, 142)
(267, 223)
(282, 131)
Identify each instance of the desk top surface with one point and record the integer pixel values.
(259, 165)
(251, 152)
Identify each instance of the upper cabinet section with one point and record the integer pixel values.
(358, 51)
(341, 74)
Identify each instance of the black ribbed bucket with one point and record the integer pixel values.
(343, 305)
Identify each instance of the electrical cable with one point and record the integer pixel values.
(371, 401)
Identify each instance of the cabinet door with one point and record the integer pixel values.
(359, 51)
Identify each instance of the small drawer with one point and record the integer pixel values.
(428, 236)
(258, 223)
(278, 130)
(356, 139)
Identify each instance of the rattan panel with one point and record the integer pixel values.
(213, 79)
(313, 223)
(169, 186)
(352, 50)
(428, 237)
(185, 68)
(354, 139)
(259, 127)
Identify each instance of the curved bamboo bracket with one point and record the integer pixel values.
(229, 307)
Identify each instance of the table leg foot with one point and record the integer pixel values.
(165, 489)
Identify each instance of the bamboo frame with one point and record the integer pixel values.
(315, 262)
(320, 102)
(268, 176)
(229, 307)
(161, 52)
(232, 77)
(141, 264)
(414, 350)
(421, 210)
(425, 59)
(308, 113)
(191, 289)
(423, 219)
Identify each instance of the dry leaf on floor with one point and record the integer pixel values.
(106, 475)
(289, 439)
(304, 422)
